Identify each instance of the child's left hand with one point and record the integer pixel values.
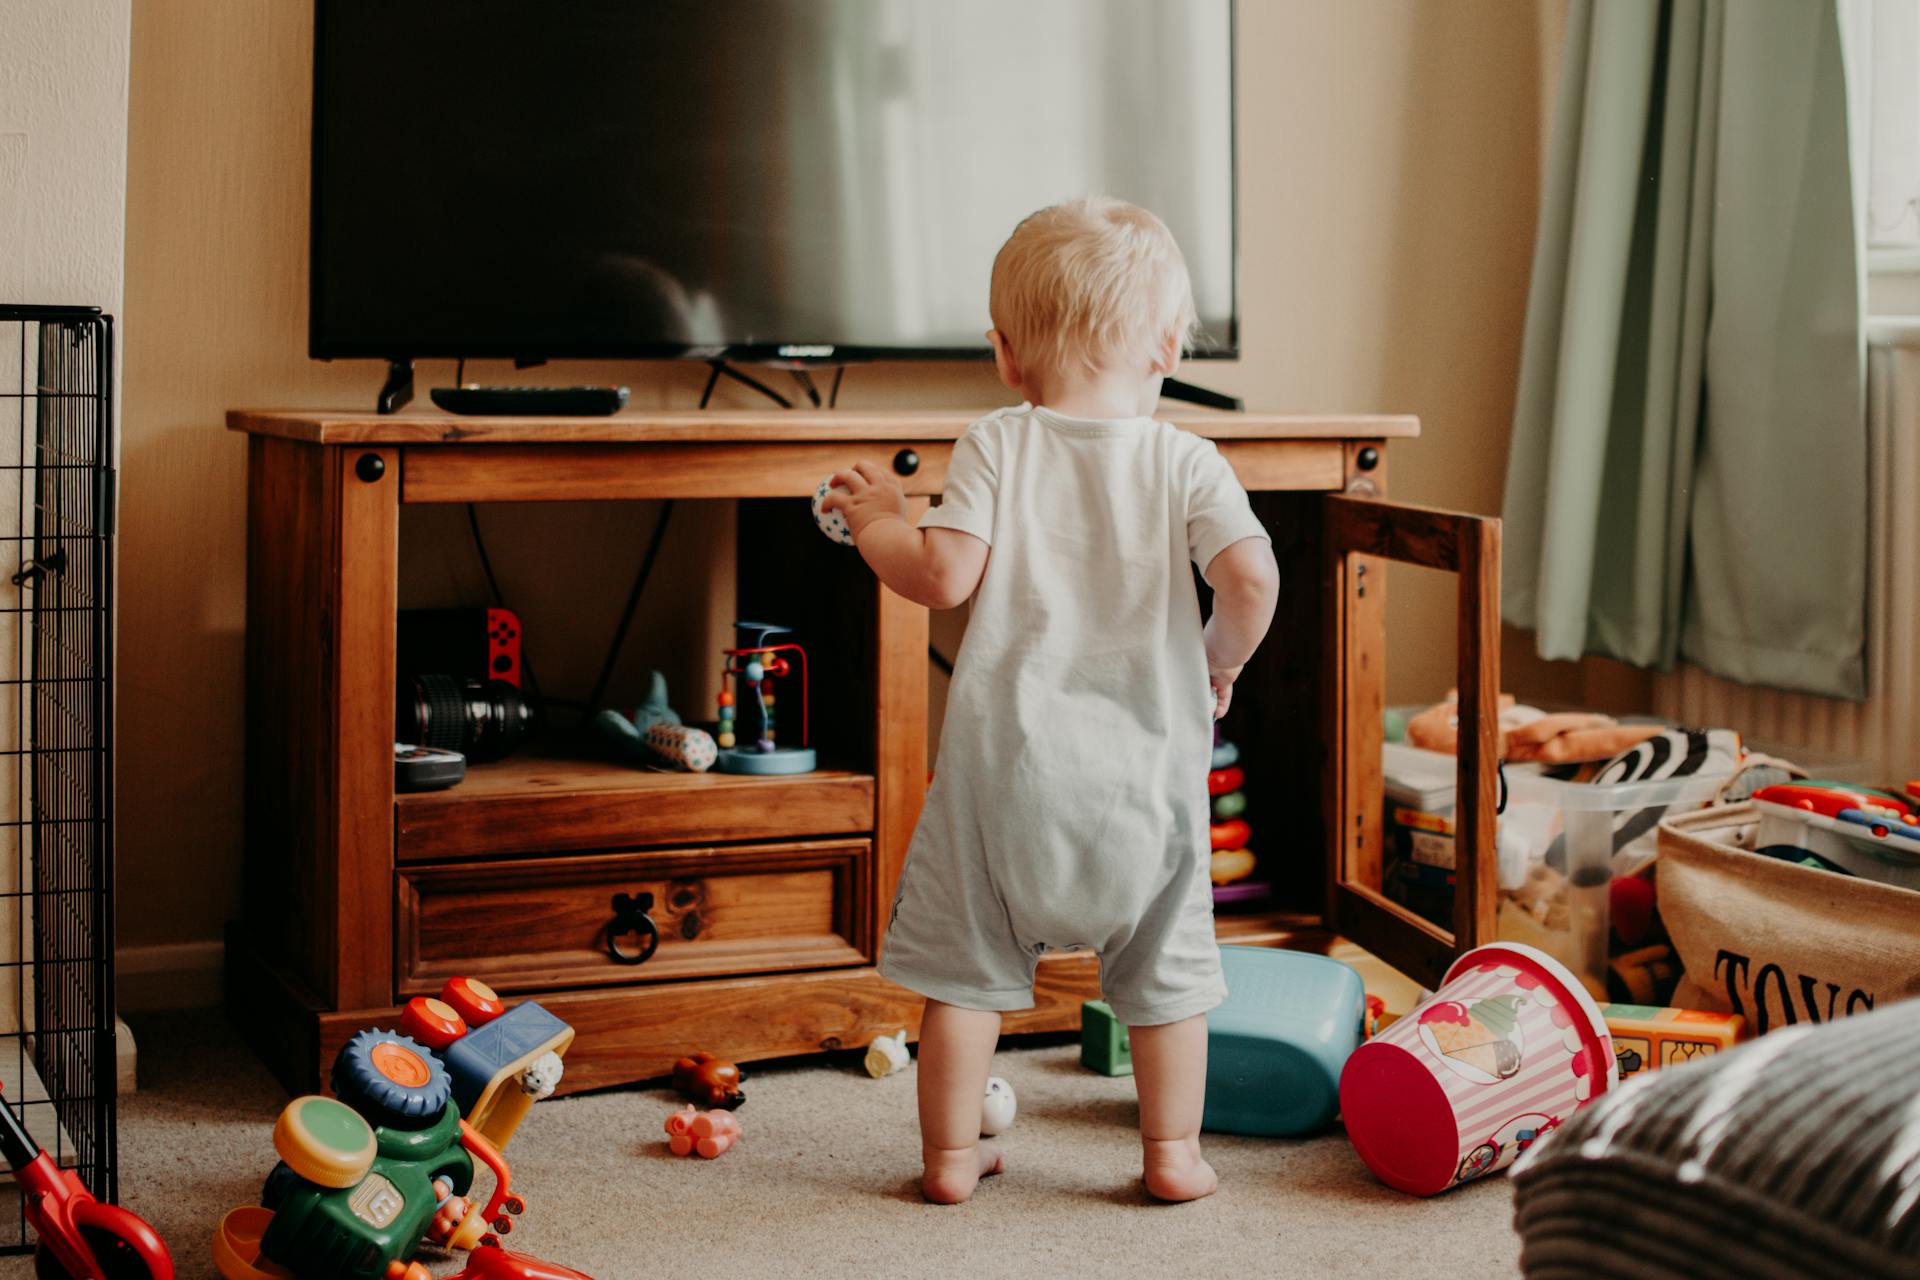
(865, 495)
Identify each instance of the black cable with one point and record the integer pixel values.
(713, 379)
(805, 381)
(460, 372)
(833, 396)
(939, 660)
(486, 561)
(728, 371)
(633, 602)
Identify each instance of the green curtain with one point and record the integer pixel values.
(1688, 471)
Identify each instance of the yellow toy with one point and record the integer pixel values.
(1646, 1038)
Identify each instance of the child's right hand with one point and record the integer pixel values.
(1222, 682)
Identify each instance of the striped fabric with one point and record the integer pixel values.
(1797, 1155)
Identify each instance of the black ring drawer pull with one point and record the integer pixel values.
(630, 917)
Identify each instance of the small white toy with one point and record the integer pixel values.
(887, 1054)
(542, 1076)
(996, 1112)
(831, 523)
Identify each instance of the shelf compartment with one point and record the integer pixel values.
(534, 803)
(538, 924)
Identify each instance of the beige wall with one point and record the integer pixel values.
(1389, 167)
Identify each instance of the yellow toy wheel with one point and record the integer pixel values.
(236, 1245)
(325, 1141)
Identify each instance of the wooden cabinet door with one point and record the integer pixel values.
(1360, 535)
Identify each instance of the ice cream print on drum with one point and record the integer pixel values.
(1509, 1047)
(1482, 1042)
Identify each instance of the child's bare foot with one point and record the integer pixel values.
(1175, 1170)
(950, 1176)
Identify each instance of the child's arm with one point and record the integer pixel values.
(1246, 585)
(938, 568)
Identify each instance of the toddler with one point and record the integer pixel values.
(1069, 807)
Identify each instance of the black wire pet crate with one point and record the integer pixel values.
(57, 1044)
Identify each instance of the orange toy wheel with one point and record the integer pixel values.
(434, 1023)
(473, 1000)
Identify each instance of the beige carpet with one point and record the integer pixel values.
(822, 1184)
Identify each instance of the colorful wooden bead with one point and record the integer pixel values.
(766, 699)
(726, 697)
(1230, 805)
(1221, 781)
(754, 672)
(1231, 834)
(724, 739)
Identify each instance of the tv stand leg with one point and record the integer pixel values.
(398, 390)
(1174, 389)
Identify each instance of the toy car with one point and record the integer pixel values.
(500, 1060)
(367, 1177)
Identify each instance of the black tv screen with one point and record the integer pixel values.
(759, 179)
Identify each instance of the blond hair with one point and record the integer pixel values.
(1094, 280)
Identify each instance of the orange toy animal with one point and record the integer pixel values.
(709, 1133)
(709, 1080)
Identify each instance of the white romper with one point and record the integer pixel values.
(1069, 803)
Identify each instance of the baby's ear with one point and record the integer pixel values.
(1003, 361)
(1166, 355)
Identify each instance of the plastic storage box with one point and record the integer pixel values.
(1561, 846)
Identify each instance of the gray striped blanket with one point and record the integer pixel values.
(1797, 1155)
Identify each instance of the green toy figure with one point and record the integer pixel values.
(653, 737)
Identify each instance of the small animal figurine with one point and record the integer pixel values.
(691, 1131)
(887, 1054)
(996, 1112)
(709, 1080)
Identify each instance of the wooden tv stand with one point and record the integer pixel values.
(770, 893)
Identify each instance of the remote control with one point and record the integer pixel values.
(532, 402)
(426, 768)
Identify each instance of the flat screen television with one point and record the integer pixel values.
(820, 180)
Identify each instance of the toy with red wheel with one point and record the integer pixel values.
(80, 1238)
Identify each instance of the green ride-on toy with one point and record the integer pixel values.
(369, 1176)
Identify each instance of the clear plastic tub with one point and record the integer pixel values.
(1561, 846)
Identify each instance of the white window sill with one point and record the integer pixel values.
(1893, 284)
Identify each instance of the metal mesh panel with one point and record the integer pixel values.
(57, 1051)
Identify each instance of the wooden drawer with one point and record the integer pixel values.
(536, 924)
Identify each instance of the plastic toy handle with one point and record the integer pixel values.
(474, 1225)
(113, 1221)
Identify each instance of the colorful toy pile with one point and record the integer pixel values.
(1233, 861)
(1850, 830)
(370, 1175)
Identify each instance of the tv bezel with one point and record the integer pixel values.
(743, 352)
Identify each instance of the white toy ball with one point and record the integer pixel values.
(996, 1113)
(887, 1054)
(831, 523)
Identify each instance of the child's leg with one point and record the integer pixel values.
(1170, 1072)
(956, 1050)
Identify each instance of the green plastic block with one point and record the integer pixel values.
(1103, 1041)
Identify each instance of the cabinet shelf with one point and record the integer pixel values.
(547, 804)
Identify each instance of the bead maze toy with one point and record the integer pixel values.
(707, 1134)
(1277, 1044)
(500, 1061)
(367, 1177)
(752, 667)
(79, 1237)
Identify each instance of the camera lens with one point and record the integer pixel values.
(481, 719)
